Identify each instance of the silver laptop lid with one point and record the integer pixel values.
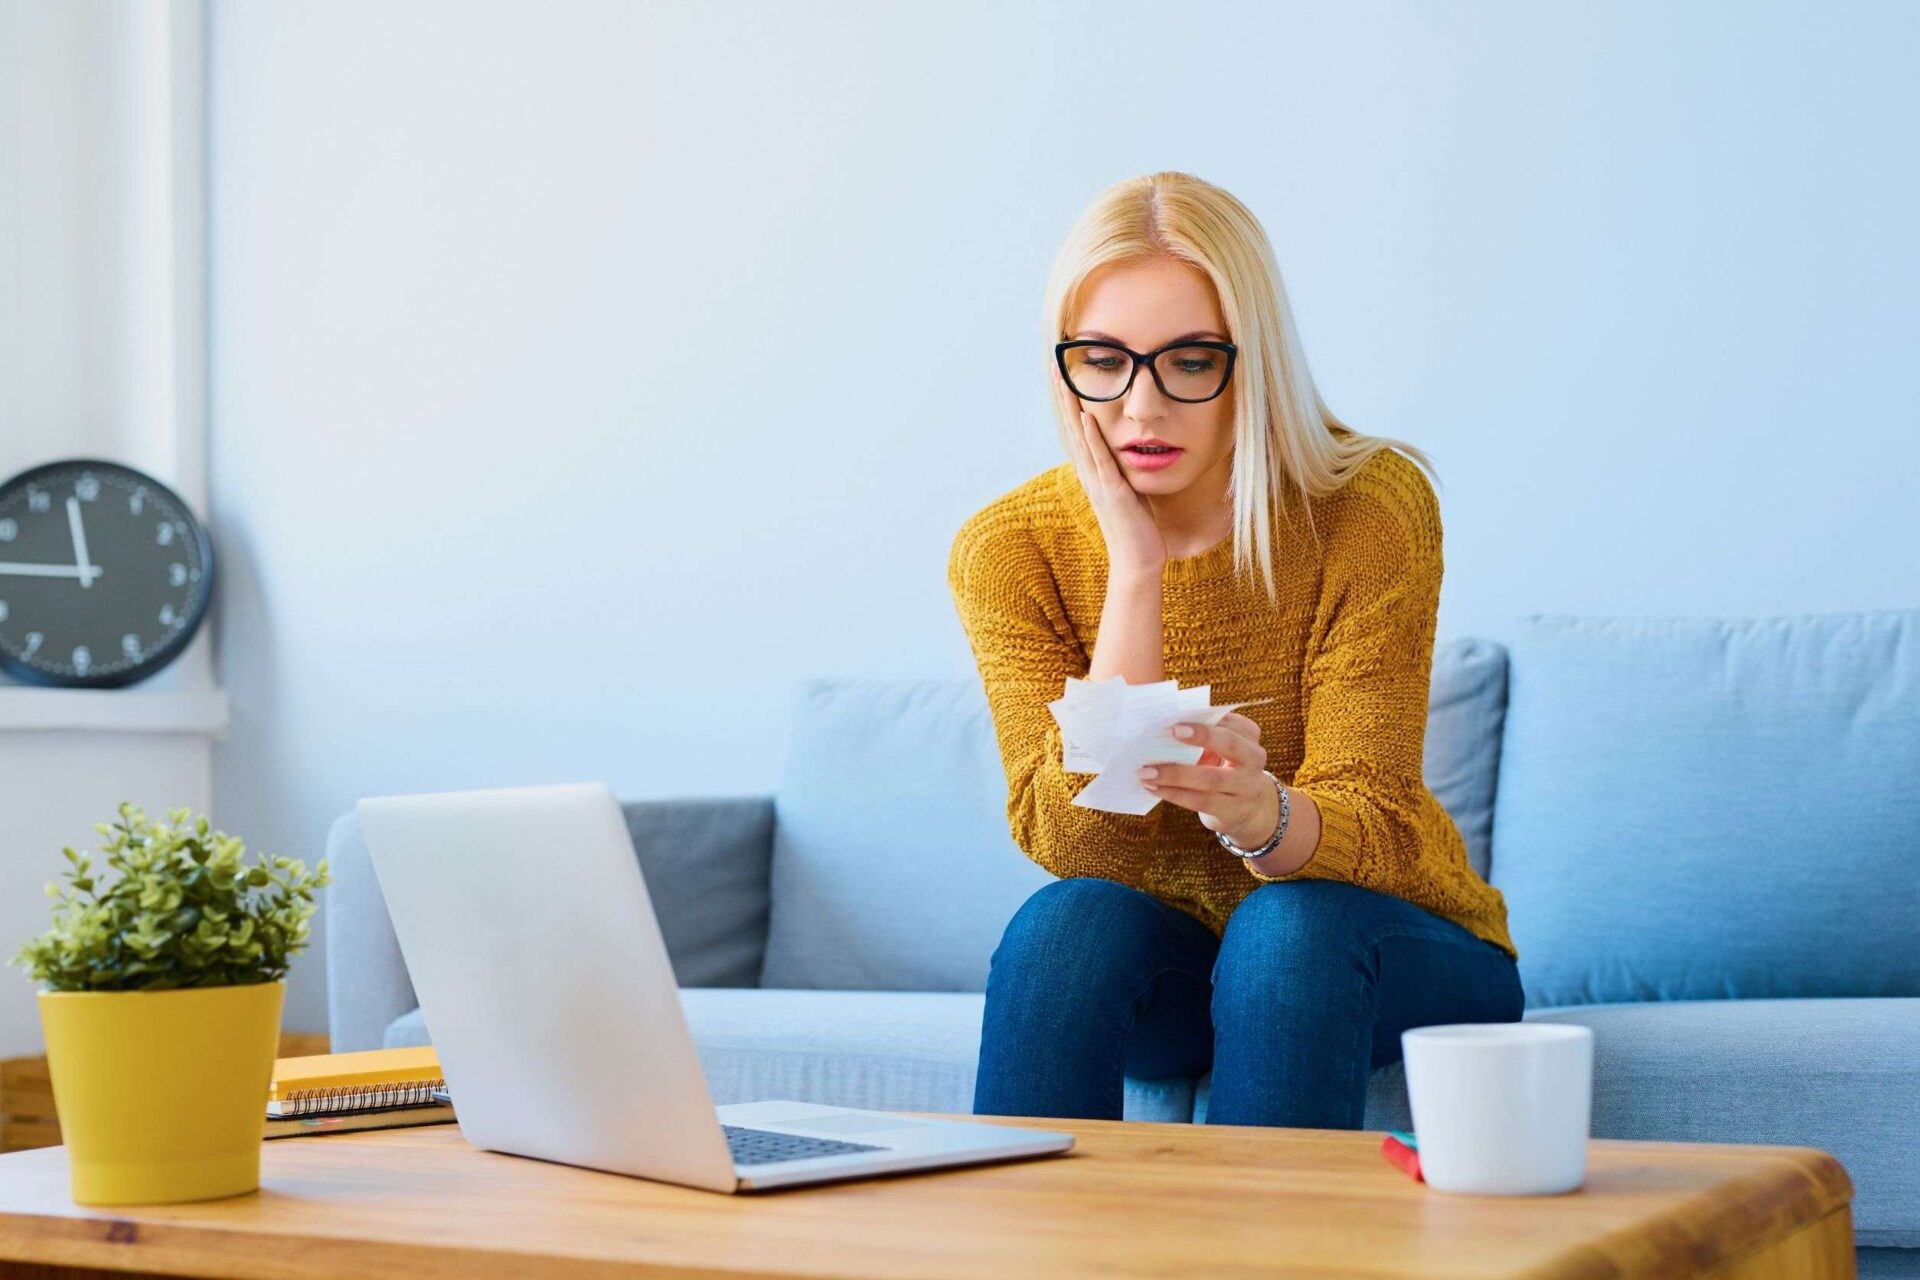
(546, 987)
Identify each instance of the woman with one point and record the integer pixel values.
(1301, 897)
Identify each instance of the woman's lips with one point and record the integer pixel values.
(1151, 461)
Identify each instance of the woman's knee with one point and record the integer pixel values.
(1073, 925)
(1301, 907)
(1299, 927)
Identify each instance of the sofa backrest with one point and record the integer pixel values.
(1704, 809)
(893, 867)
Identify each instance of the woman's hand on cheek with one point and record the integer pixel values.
(1127, 523)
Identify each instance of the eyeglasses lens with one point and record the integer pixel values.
(1189, 373)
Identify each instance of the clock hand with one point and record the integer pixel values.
(88, 570)
(43, 570)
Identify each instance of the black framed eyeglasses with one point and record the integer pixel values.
(1190, 372)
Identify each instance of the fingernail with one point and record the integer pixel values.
(1183, 731)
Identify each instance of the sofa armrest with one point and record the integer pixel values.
(706, 862)
(367, 982)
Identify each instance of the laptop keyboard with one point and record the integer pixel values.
(763, 1146)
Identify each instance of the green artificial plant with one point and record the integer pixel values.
(184, 911)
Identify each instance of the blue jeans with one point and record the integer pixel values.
(1304, 995)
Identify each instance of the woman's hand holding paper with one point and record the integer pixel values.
(1228, 787)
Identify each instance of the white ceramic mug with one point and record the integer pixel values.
(1501, 1108)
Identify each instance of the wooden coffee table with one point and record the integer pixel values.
(1131, 1199)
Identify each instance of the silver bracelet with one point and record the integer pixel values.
(1278, 831)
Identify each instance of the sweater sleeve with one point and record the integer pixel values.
(1024, 647)
(1368, 682)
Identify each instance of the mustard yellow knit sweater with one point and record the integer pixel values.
(1347, 651)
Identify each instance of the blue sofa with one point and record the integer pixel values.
(1707, 832)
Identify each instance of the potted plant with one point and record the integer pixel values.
(162, 1007)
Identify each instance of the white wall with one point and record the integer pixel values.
(586, 374)
(102, 354)
(101, 195)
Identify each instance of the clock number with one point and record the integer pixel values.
(177, 574)
(130, 645)
(166, 615)
(82, 659)
(39, 499)
(138, 501)
(9, 530)
(165, 534)
(34, 641)
(86, 488)
(3, 610)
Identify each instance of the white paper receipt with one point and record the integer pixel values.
(1111, 728)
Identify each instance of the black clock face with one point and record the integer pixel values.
(104, 575)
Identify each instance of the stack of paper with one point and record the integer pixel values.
(1112, 728)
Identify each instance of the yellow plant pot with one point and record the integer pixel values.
(162, 1095)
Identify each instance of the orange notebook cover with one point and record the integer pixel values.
(349, 1081)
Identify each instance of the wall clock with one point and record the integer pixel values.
(105, 575)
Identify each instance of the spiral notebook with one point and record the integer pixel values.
(440, 1112)
(370, 1079)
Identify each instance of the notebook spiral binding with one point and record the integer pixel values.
(359, 1097)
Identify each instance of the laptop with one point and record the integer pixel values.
(545, 985)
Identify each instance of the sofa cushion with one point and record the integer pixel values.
(893, 866)
(1839, 1075)
(1705, 809)
(886, 1050)
(882, 1050)
(1886, 1264)
(1466, 705)
(706, 863)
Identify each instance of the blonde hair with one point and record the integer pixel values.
(1287, 446)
